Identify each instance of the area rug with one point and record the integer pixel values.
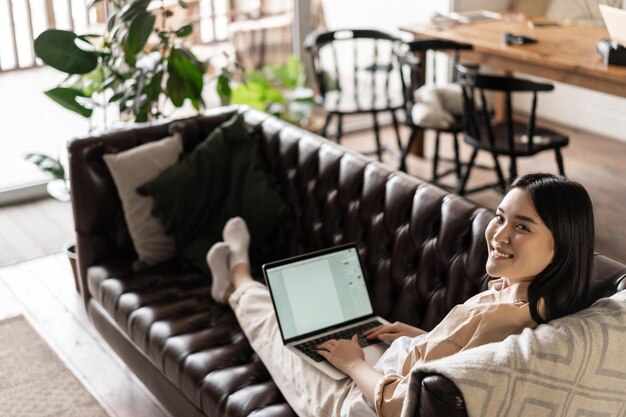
(34, 382)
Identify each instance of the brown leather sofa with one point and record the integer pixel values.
(423, 247)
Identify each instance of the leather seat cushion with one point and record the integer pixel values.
(169, 313)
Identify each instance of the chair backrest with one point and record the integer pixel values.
(479, 123)
(353, 61)
(411, 56)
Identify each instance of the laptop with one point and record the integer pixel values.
(320, 296)
(615, 21)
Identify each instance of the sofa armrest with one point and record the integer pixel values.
(101, 231)
(440, 397)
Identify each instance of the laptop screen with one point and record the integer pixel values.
(317, 291)
(615, 21)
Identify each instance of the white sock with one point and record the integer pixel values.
(238, 238)
(217, 258)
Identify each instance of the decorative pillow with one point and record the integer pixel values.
(223, 177)
(131, 169)
(435, 106)
(451, 98)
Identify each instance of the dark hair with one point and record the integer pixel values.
(565, 208)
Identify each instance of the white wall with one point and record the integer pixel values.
(385, 15)
(390, 14)
(602, 114)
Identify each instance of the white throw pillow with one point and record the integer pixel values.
(131, 169)
(451, 97)
(435, 106)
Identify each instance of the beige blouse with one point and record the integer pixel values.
(487, 317)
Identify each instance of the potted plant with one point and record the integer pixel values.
(138, 64)
(58, 186)
(277, 89)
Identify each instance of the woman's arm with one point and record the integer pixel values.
(348, 357)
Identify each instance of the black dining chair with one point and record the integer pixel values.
(509, 138)
(356, 73)
(411, 56)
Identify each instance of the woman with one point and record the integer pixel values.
(540, 246)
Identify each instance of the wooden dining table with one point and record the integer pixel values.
(565, 53)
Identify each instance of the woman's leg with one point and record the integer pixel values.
(309, 391)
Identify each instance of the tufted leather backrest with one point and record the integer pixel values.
(423, 248)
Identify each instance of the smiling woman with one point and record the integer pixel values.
(563, 209)
(540, 247)
(520, 244)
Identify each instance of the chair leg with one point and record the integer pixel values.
(379, 149)
(394, 120)
(457, 158)
(470, 164)
(499, 174)
(512, 173)
(405, 151)
(324, 130)
(559, 161)
(339, 128)
(436, 155)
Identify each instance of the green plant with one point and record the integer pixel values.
(59, 186)
(134, 64)
(277, 89)
(47, 164)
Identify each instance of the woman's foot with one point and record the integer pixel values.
(236, 235)
(218, 260)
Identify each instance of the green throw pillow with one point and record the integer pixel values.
(223, 177)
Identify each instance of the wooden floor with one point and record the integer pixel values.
(34, 229)
(43, 291)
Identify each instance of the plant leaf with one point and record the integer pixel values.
(91, 3)
(223, 89)
(47, 164)
(111, 22)
(66, 97)
(153, 89)
(176, 90)
(244, 94)
(133, 9)
(58, 49)
(184, 31)
(139, 32)
(295, 73)
(116, 97)
(182, 64)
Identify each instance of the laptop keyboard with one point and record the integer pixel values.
(310, 348)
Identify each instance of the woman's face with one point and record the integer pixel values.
(520, 244)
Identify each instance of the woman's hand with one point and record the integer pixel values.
(348, 357)
(390, 332)
(343, 354)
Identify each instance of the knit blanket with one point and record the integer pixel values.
(573, 366)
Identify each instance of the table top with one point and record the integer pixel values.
(566, 53)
